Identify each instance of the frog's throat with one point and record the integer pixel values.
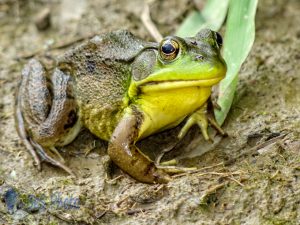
(176, 84)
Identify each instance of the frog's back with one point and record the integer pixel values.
(101, 69)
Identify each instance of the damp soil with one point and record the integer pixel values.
(252, 176)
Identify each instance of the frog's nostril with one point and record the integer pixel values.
(199, 57)
(194, 43)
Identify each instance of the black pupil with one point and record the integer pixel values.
(219, 39)
(168, 48)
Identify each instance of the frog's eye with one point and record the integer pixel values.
(169, 49)
(219, 39)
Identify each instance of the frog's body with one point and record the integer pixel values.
(122, 89)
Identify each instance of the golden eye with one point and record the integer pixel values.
(169, 49)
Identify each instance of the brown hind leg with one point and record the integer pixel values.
(46, 113)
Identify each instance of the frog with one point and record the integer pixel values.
(122, 89)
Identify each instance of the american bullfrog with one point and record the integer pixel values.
(122, 89)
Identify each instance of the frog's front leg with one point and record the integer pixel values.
(46, 113)
(202, 118)
(123, 151)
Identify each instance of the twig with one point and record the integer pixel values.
(228, 175)
(235, 180)
(148, 23)
(112, 181)
(197, 170)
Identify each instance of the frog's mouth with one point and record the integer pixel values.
(176, 84)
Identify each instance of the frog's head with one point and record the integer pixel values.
(181, 62)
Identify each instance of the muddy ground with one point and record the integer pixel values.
(250, 177)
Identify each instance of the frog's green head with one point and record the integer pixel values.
(181, 62)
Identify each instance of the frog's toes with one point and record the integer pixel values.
(161, 175)
(215, 105)
(171, 162)
(171, 167)
(48, 155)
(176, 169)
(214, 123)
(199, 117)
(54, 150)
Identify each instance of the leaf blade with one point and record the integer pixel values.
(238, 41)
(212, 17)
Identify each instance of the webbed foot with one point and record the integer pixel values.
(48, 155)
(202, 118)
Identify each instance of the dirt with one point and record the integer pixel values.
(252, 176)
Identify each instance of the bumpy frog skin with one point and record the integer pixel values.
(122, 89)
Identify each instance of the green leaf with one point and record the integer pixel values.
(212, 16)
(238, 41)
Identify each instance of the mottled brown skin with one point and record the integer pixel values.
(49, 120)
(49, 117)
(91, 87)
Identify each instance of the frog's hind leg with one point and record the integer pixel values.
(46, 113)
(47, 156)
(23, 134)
